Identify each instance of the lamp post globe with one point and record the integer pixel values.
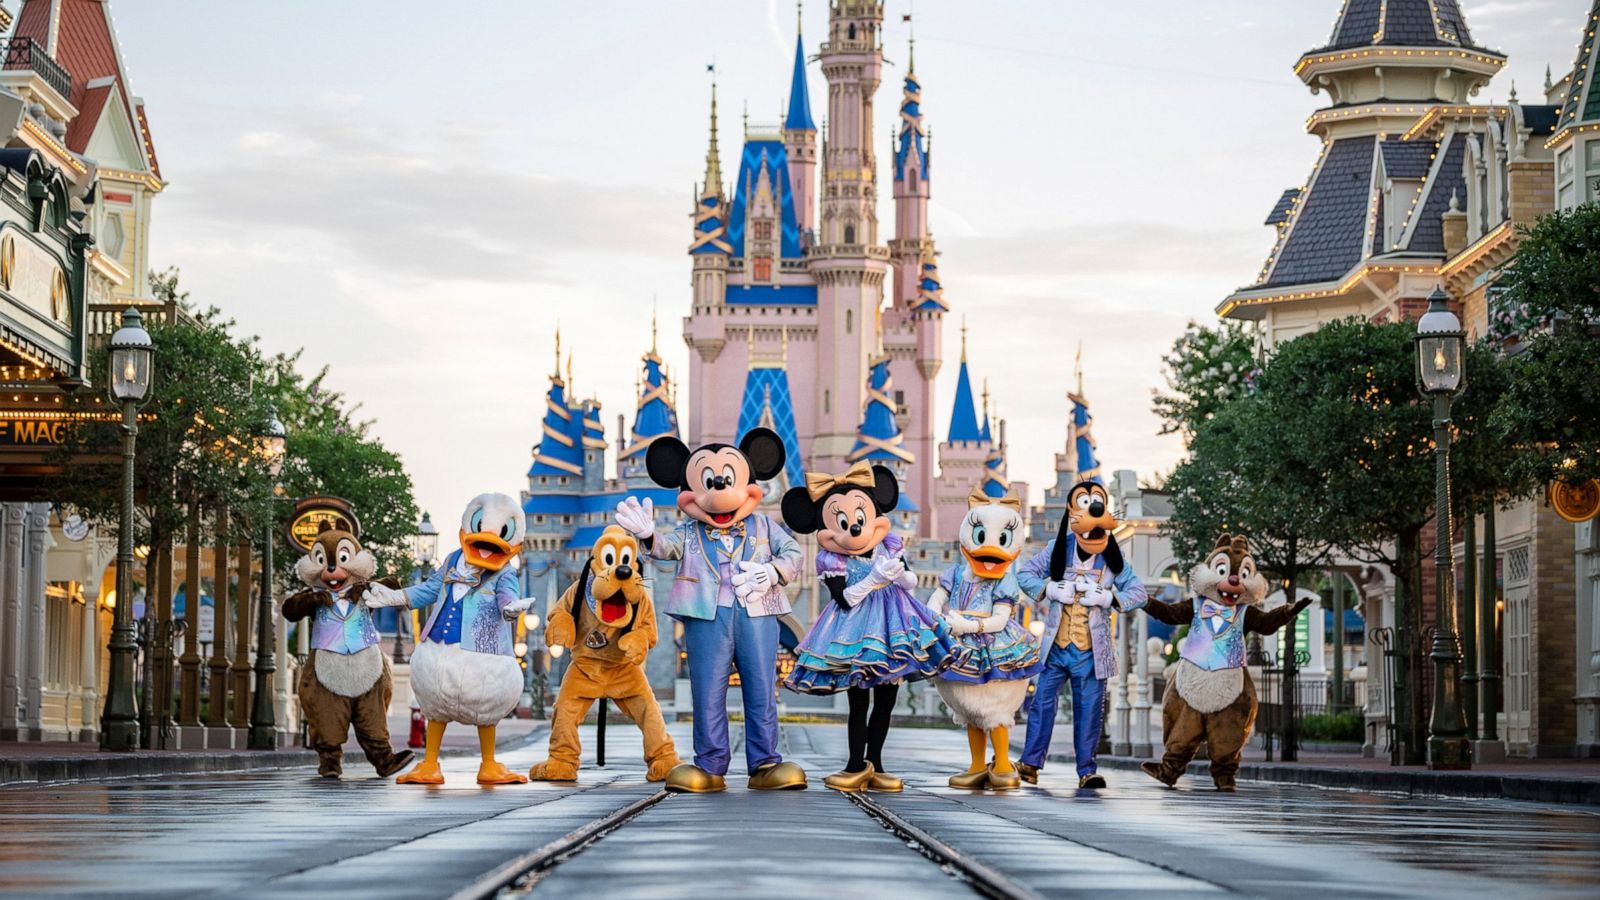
(131, 370)
(425, 543)
(1439, 376)
(272, 445)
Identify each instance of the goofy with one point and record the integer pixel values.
(732, 565)
(1080, 574)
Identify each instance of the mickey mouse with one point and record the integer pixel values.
(876, 633)
(733, 565)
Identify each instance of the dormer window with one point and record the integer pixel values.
(762, 230)
(761, 268)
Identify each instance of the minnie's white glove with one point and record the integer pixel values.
(638, 519)
(754, 579)
(515, 608)
(379, 596)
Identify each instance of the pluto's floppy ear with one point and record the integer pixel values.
(885, 489)
(764, 449)
(800, 511)
(665, 460)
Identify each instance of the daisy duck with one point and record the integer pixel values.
(1081, 576)
(464, 669)
(733, 563)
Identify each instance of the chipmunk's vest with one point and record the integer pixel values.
(1210, 671)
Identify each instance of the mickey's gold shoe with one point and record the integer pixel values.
(884, 783)
(1004, 781)
(781, 776)
(850, 781)
(689, 778)
(1030, 774)
(970, 781)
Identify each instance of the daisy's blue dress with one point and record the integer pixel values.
(890, 636)
(1008, 654)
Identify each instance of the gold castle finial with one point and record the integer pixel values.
(963, 338)
(558, 350)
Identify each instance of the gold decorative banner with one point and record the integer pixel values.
(1575, 502)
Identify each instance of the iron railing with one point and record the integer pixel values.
(25, 53)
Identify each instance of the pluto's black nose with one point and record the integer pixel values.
(1096, 508)
(624, 572)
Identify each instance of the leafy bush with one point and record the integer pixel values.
(1345, 726)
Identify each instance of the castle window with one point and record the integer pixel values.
(849, 234)
(849, 321)
(827, 406)
(761, 268)
(762, 230)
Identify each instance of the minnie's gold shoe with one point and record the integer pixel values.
(850, 781)
(970, 781)
(884, 783)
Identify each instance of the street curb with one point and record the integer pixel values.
(47, 769)
(1454, 785)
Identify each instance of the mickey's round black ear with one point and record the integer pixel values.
(885, 489)
(799, 512)
(665, 461)
(764, 449)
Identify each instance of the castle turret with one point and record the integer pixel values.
(995, 482)
(800, 140)
(654, 416)
(558, 460)
(704, 329)
(879, 441)
(912, 188)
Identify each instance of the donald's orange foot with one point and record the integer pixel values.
(495, 773)
(425, 773)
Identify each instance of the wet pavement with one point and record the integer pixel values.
(282, 832)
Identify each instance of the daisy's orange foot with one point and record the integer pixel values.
(425, 773)
(495, 773)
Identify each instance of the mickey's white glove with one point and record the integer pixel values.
(379, 596)
(638, 519)
(960, 624)
(516, 608)
(1061, 592)
(1097, 595)
(754, 579)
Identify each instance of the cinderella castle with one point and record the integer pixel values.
(803, 319)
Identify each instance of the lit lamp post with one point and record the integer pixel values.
(424, 549)
(1439, 344)
(132, 357)
(263, 723)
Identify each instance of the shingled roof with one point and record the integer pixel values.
(1284, 206)
(1403, 23)
(1407, 159)
(1325, 236)
(1583, 98)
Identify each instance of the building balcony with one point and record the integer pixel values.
(23, 53)
(104, 319)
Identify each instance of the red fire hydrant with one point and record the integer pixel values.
(418, 724)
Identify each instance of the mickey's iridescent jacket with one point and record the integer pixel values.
(704, 579)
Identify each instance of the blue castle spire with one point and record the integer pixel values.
(799, 117)
(878, 437)
(1083, 430)
(710, 222)
(559, 452)
(930, 292)
(910, 144)
(964, 415)
(995, 482)
(654, 415)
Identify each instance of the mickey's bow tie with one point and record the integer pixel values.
(734, 530)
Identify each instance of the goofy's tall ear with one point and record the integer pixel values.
(885, 489)
(665, 461)
(800, 511)
(764, 449)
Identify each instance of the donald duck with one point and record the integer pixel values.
(463, 669)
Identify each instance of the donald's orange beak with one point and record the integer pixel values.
(486, 550)
(989, 562)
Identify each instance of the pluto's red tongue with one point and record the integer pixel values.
(612, 610)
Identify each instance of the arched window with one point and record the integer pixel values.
(827, 405)
(849, 234)
(852, 31)
(849, 321)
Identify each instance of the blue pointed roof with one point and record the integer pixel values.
(879, 437)
(964, 415)
(995, 482)
(1083, 436)
(559, 451)
(594, 431)
(930, 291)
(799, 118)
(984, 433)
(655, 416)
(910, 143)
(769, 158)
(767, 403)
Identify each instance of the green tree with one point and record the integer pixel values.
(1548, 312)
(1205, 370)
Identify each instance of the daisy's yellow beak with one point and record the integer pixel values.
(989, 561)
(485, 549)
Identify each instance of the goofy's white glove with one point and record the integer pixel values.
(637, 519)
(1061, 592)
(379, 596)
(516, 608)
(1097, 595)
(754, 579)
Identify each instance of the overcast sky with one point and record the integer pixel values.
(415, 191)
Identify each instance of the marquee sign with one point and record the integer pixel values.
(35, 277)
(314, 514)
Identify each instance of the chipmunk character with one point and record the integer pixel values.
(1210, 697)
(464, 669)
(1081, 575)
(611, 609)
(985, 689)
(733, 564)
(874, 634)
(346, 679)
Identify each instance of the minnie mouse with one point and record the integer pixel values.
(728, 593)
(875, 634)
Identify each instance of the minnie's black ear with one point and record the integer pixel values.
(665, 461)
(885, 490)
(764, 449)
(799, 512)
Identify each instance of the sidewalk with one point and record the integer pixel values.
(39, 761)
